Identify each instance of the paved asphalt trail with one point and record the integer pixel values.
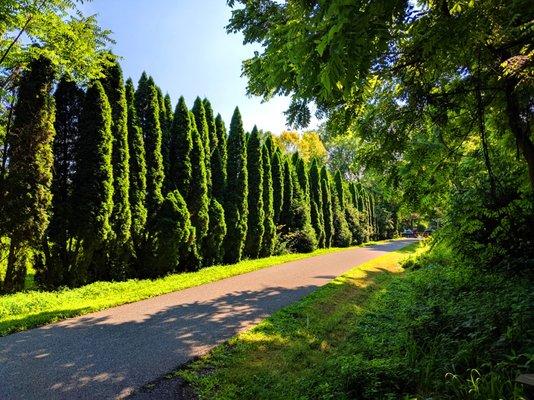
(110, 353)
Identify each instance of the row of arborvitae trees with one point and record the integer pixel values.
(111, 182)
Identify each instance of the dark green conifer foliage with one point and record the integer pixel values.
(169, 235)
(285, 213)
(302, 175)
(136, 146)
(339, 190)
(121, 217)
(165, 139)
(218, 161)
(212, 126)
(147, 105)
(353, 221)
(69, 100)
(203, 129)
(353, 194)
(236, 207)
(316, 198)
(216, 233)
(93, 184)
(317, 223)
(328, 216)
(30, 169)
(277, 169)
(269, 233)
(168, 111)
(198, 200)
(342, 234)
(181, 145)
(256, 213)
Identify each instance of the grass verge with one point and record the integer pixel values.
(439, 330)
(33, 308)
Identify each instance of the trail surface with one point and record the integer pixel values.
(108, 354)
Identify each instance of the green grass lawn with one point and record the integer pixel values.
(32, 308)
(378, 332)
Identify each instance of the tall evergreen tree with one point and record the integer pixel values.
(146, 99)
(69, 100)
(277, 169)
(327, 207)
(198, 199)
(316, 198)
(164, 123)
(121, 217)
(269, 233)
(212, 126)
(256, 213)
(285, 213)
(217, 231)
(181, 145)
(339, 190)
(218, 160)
(353, 194)
(203, 129)
(30, 164)
(302, 175)
(93, 183)
(236, 207)
(136, 146)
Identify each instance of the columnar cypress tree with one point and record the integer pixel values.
(198, 200)
(285, 213)
(30, 164)
(217, 231)
(69, 100)
(136, 146)
(165, 120)
(121, 217)
(203, 129)
(269, 234)
(302, 175)
(256, 213)
(339, 190)
(316, 198)
(353, 194)
(236, 207)
(168, 110)
(212, 126)
(146, 99)
(277, 169)
(218, 161)
(327, 207)
(181, 145)
(93, 182)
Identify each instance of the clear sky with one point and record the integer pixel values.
(184, 46)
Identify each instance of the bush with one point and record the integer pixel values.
(301, 241)
(445, 330)
(493, 233)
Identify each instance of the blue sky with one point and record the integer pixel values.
(184, 46)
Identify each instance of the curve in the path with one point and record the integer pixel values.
(109, 353)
